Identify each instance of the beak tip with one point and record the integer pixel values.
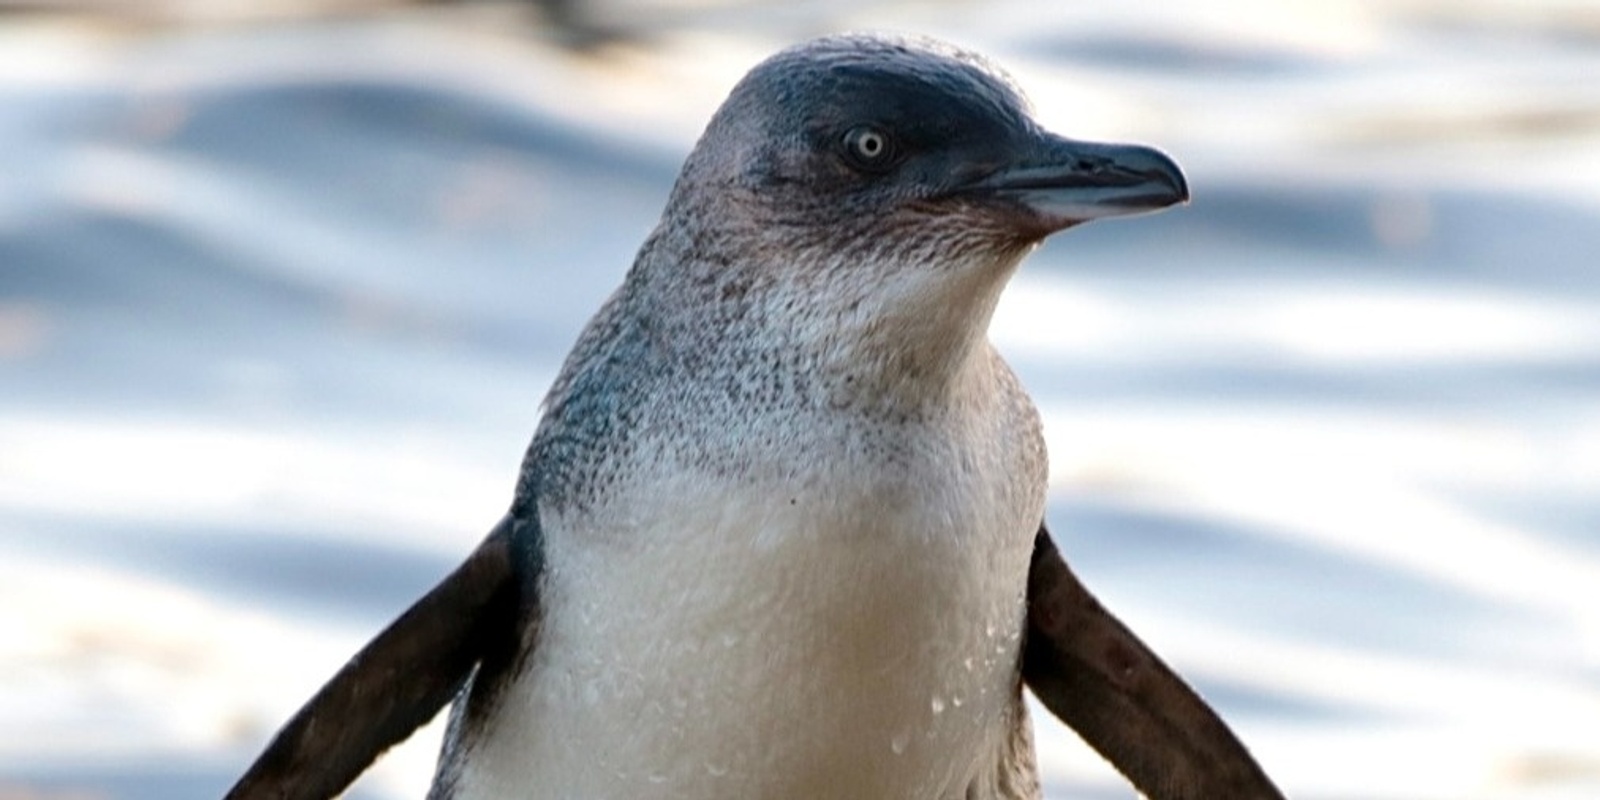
(1066, 182)
(1163, 169)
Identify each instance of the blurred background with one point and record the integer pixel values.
(282, 285)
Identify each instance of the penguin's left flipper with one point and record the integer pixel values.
(1105, 684)
(398, 682)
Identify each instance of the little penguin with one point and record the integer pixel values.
(779, 533)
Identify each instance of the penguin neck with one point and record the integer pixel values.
(878, 332)
(909, 343)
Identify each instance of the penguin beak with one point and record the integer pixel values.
(1059, 182)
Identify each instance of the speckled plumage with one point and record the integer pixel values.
(778, 276)
(800, 347)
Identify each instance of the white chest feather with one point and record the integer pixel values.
(803, 635)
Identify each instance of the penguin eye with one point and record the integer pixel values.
(869, 148)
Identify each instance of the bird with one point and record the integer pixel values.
(780, 530)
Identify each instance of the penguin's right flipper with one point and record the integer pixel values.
(398, 682)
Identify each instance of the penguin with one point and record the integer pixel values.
(779, 532)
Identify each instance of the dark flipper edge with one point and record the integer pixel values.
(1094, 674)
(393, 686)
